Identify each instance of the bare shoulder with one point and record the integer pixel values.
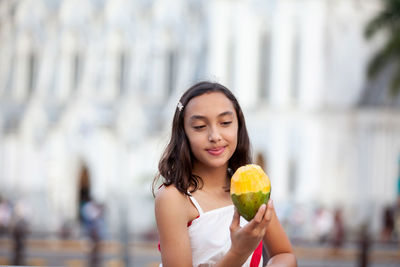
(171, 199)
(169, 194)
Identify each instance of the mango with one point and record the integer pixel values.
(250, 188)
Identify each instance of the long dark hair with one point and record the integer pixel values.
(175, 166)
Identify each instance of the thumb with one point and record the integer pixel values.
(235, 221)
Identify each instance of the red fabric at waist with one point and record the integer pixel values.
(255, 258)
(257, 255)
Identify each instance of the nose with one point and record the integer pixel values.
(214, 135)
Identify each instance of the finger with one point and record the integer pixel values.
(260, 213)
(235, 221)
(268, 214)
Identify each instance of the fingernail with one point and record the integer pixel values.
(270, 203)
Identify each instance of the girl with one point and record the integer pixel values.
(196, 220)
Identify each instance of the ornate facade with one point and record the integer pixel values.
(93, 84)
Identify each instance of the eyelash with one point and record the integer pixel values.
(225, 123)
(199, 127)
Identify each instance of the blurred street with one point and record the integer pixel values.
(88, 89)
(74, 252)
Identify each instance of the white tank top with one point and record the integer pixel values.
(210, 236)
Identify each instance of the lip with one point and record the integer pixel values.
(216, 151)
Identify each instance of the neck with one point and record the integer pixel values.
(212, 177)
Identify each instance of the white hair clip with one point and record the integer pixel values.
(180, 106)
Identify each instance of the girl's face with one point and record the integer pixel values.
(211, 126)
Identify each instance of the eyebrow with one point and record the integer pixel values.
(200, 117)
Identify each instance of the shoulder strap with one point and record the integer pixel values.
(196, 204)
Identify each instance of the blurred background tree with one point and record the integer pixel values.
(387, 21)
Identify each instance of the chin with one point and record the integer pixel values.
(218, 163)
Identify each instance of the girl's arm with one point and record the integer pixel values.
(278, 245)
(245, 239)
(172, 213)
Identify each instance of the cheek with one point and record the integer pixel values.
(232, 136)
(234, 140)
(195, 142)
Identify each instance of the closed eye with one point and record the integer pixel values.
(226, 123)
(199, 127)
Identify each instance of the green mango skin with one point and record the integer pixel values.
(248, 203)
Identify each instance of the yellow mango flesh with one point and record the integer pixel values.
(250, 178)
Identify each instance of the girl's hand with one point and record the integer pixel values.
(246, 239)
(265, 225)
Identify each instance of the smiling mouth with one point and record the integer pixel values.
(216, 151)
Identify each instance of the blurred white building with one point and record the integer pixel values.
(94, 84)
